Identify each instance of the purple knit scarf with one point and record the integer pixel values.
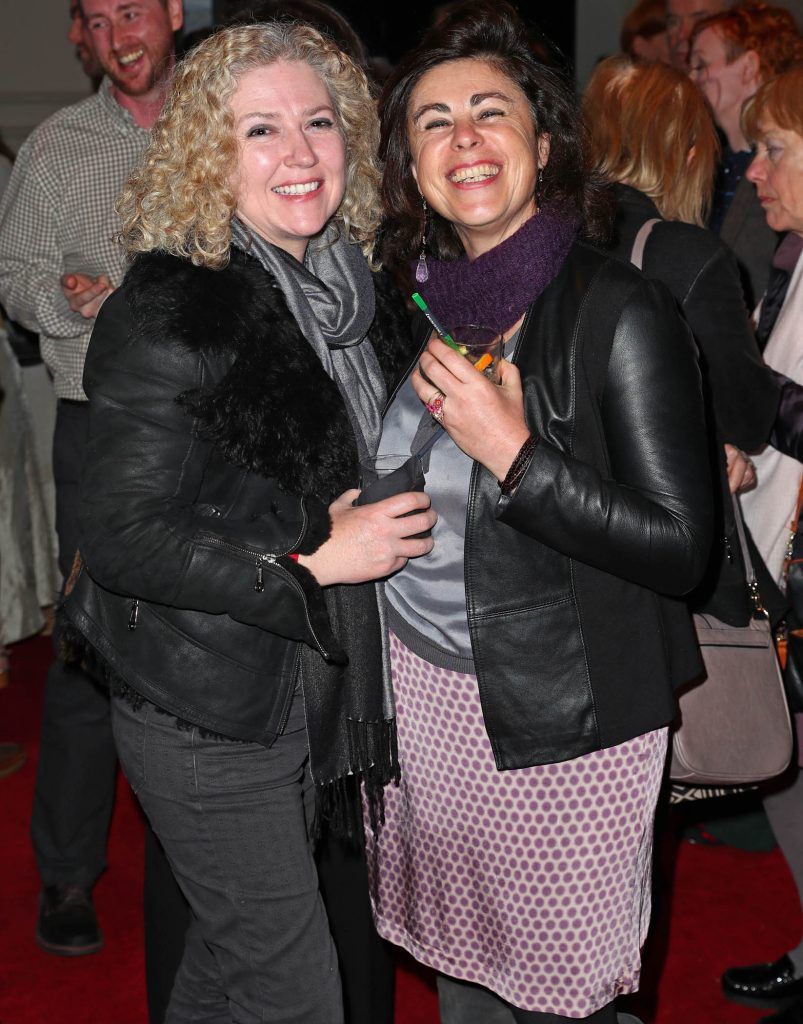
(496, 288)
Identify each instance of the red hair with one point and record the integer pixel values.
(770, 32)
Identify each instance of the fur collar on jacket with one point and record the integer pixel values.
(275, 411)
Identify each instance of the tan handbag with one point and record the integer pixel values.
(734, 724)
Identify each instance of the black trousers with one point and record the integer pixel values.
(75, 780)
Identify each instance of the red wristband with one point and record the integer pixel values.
(294, 557)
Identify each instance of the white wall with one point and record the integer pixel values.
(597, 33)
(38, 70)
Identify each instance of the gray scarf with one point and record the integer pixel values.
(350, 717)
(331, 297)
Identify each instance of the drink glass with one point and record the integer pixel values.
(482, 346)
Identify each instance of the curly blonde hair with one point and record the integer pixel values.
(180, 198)
(644, 120)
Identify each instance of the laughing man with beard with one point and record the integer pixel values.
(58, 261)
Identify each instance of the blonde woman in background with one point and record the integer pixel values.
(653, 136)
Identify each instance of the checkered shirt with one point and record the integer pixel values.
(57, 216)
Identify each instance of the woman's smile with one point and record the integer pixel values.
(298, 190)
(474, 175)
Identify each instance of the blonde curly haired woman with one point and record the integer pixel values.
(236, 379)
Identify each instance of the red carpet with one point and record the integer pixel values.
(727, 907)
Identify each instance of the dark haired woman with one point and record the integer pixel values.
(535, 650)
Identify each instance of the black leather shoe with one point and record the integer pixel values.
(773, 985)
(792, 1015)
(67, 925)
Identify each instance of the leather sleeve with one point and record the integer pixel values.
(648, 518)
(144, 531)
(787, 432)
(743, 391)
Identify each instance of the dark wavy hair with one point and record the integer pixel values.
(490, 31)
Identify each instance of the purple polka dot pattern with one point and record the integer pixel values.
(535, 882)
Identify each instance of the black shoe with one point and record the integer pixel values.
(792, 1015)
(67, 922)
(771, 985)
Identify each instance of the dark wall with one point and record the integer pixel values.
(392, 27)
(389, 27)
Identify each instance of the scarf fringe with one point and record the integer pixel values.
(374, 761)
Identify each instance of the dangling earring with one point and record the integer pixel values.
(422, 271)
(539, 181)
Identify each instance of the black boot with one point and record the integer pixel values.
(67, 925)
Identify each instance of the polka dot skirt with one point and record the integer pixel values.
(534, 882)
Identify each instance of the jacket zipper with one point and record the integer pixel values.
(295, 677)
(133, 615)
(261, 560)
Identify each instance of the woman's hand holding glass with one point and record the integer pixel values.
(485, 420)
(370, 542)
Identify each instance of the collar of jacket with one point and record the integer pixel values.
(273, 408)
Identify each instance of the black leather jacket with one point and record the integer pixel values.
(217, 442)
(576, 637)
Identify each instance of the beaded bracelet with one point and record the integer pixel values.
(518, 466)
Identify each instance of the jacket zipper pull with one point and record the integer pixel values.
(133, 618)
(259, 586)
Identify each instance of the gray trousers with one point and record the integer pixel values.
(76, 774)
(233, 820)
(784, 809)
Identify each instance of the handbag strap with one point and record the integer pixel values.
(793, 529)
(749, 569)
(637, 254)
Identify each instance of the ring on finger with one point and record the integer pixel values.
(435, 406)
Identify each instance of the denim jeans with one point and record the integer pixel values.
(233, 820)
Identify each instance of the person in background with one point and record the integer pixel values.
(732, 53)
(571, 501)
(58, 261)
(653, 136)
(643, 35)
(681, 17)
(79, 36)
(773, 122)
